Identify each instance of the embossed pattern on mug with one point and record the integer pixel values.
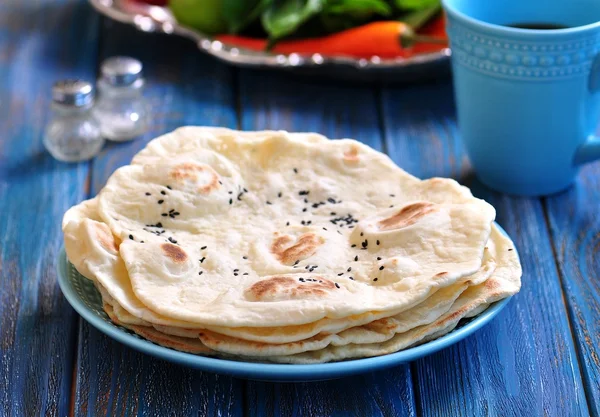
(522, 60)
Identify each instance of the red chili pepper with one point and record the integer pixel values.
(436, 29)
(387, 39)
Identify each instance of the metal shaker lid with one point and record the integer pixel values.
(77, 93)
(121, 71)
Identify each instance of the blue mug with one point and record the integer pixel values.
(528, 101)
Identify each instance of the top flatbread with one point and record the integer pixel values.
(268, 228)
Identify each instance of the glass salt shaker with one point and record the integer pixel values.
(73, 135)
(120, 107)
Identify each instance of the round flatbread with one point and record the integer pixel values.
(274, 230)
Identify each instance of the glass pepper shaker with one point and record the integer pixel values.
(73, 135)
(120, 107)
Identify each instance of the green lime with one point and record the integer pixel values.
(204, 15)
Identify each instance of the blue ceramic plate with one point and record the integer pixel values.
(86, 300)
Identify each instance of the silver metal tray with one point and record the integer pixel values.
(149, 18)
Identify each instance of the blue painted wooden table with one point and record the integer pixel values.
(540, 357)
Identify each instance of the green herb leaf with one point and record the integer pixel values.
(417, 18)
(415, 4)
(358, 7)
(284, 17)
(239, 14)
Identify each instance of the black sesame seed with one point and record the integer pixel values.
(325, 229)
(331, 200)
(375, 279)
(379, 258)
(365, 243)
(220, 182)
(333, 213)
(340, 274)
(307, 266)
(287, 224)
(131, 237)
(392, 195)
(391, 206)
(356, 258)
(381, 268)
(377, 242)
(352, 278)
(297, 262)
(268, 202)
(353, 246)
(302, 222)
(203, 247)
(301, 279)
(141, 241)
(239, 197)
(337, 285)
(236, 270)
(202, 260)
(306, 201)
(169, 187)
(349, 269)
(304, 210)
(279, 194)
(230, 192)
(309, 222)
(510, 249)
(245, 190)
(200, 273)
(148, 194)
(245, 273)
(163, 192)
(230, 201)
(244, 257)
(164, 214)
(176, 213)
(159, 224)
(304, 192)
(361, 233)
(350, 227)
(171, 211)
(295, 170)
(161, 201)
(235, 274)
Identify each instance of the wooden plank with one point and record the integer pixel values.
(115, 380)
(278, 101)
(40, 42)
(523, 363)
(575, 231)
(183, 87)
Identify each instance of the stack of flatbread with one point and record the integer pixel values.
(285, 247)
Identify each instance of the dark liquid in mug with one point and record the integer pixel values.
(538, 26)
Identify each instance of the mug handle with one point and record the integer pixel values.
(590, 150)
